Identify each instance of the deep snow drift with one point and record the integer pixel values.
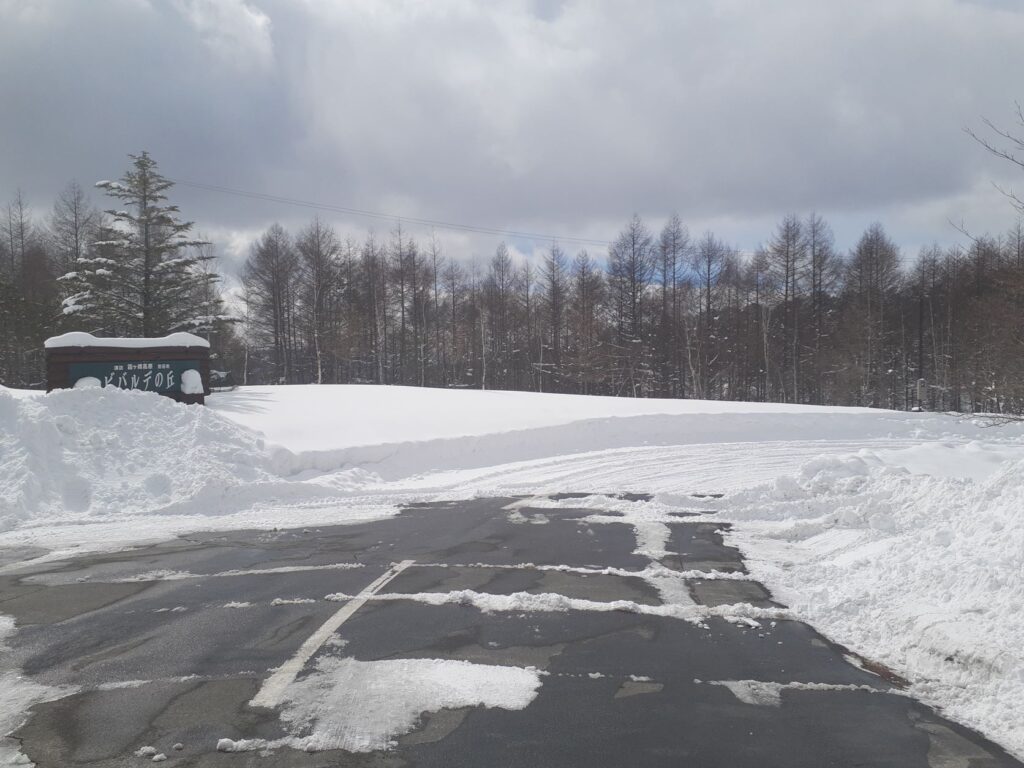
(898, 535)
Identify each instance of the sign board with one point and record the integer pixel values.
(175, 366)
(147, 375)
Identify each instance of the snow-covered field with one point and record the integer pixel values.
(899, 535)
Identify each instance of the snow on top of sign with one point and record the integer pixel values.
(82, 339)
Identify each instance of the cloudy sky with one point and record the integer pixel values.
(545, 116)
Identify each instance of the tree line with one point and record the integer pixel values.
(659, 314)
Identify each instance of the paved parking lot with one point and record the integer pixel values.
(184, 643)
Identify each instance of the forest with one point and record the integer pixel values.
(659, 313)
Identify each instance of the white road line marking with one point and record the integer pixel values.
(516, 505)
(273, 687)
(769, 694)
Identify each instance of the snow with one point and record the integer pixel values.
(922, 572)
(191, 382)
(550, 602)
(363, 706)
(88, 382)
(898, 535)
(328, 713)
(82, 339)
(331, 417)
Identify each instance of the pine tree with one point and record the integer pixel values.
(146, 277)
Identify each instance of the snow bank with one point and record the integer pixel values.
(921, 572)
(105, 452)
(107, 467)
(82, 339)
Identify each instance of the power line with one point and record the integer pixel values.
(390, 217)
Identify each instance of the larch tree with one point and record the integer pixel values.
(708, 261)
(74, 224)
(271, 279)
(823, 267)
(318, 251)
(673, 252)
(786, 255)
(586, 297)
(554, 297)
(872, 279)
(498, 297)
(631, 265)
(29, 304)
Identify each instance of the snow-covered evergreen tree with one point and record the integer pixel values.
(145, 275)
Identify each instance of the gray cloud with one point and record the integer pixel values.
(541, 115)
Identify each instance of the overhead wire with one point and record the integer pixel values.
(376, 215)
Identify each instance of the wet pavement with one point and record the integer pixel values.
(169, 644)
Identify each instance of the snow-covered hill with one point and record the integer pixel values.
(899, 535)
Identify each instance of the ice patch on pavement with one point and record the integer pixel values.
(17, 695)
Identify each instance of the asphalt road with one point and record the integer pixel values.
(157, 657)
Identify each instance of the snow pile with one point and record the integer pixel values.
(98, 453)
(921, 572)
(362, 706)
(134, 465)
